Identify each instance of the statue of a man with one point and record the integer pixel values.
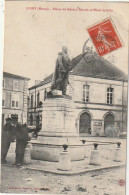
(61, 73)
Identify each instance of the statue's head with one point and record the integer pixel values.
(64, 49)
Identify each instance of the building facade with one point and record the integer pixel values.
(99, 90)
(14, 97)
(37, 95)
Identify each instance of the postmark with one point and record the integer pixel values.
(105, 37)
(88, 51)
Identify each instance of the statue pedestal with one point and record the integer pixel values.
(64, 161)
(56, 92)
(94, 158)
(58, 128)
(118, 155)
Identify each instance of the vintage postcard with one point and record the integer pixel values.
(65, 98)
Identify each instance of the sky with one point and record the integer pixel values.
(33, 38)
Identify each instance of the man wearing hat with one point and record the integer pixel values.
(22, 138)
(14, 119)
(6, 139)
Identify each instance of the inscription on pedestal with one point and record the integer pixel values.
(58, 115)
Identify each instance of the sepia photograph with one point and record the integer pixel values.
(64, 110)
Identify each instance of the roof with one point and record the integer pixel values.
(45, 81)
(6, 74)
(91, 65)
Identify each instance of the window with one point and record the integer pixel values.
(3, 82)
(3, 119)
(3, 99)
(14, 117)
(15, 101)
(85, 93)
(38, 98)
(17, 104)
(110, 95)
(15, 85)
(31, 120)
(3, 102)
(13, 104)
(31, 101)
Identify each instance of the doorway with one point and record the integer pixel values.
(85, 123)
(109, 125)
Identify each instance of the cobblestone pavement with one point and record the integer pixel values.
(106, 182)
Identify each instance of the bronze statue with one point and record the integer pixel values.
(61, 73)
(63, 66)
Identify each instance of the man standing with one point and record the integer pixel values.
(6, 138)
(22, 139)
(61, 73)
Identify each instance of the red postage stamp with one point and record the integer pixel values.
(105, 37)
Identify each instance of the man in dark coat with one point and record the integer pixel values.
(22, 139)
(6, 138)
(61, 73)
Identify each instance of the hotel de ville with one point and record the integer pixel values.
(99, 91)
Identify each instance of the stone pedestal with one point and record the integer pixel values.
(27, 157)
(64, 161)
(118, 155)
(58, 128)
(94, 158)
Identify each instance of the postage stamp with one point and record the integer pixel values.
(105, 37)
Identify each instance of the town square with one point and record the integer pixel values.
(64, 117)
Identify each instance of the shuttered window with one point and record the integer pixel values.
(15, 100)
(86, 93)
(110, 93)
(15, 85)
